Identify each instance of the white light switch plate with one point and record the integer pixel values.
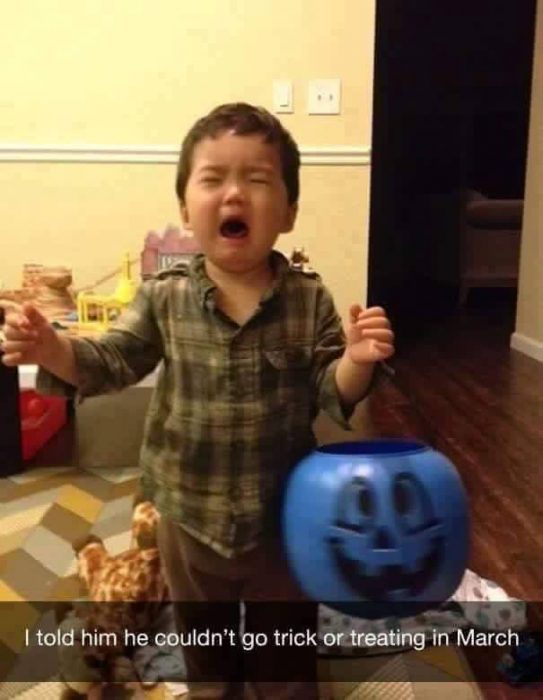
(282, 97)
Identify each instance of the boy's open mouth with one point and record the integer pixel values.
(234, 227)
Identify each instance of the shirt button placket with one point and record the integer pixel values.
(235, 494)
(237, 393)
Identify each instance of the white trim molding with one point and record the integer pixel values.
(335, 155)
(91, 153)
(528, 346)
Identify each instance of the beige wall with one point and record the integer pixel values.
(528, 335)
(127, 74)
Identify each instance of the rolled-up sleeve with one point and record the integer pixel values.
(329, 347)
(122, 356)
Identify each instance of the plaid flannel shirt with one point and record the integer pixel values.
(233, 406)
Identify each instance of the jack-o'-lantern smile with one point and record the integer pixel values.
(392, 581)
(386, 545)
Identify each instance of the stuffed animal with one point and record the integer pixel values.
(125, 593)
(134, 575)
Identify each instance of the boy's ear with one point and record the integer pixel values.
(290, 218)
(185, 217)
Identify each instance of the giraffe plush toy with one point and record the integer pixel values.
(125, 593)
(134, 575)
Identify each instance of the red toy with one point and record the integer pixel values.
(35, 408)
(41, 418)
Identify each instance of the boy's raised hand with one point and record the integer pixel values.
(30, 338)
(369, 335)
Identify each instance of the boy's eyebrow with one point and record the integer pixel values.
(213, 168)
(261, 168)
(256, 167)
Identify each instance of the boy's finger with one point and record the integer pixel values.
(373, 322)
(373, 311)
(17, 322)
(385, 349)
(18, 346)
(18, 333)
(12, 360)
(382, 334)
(354, 312)
(13, 320)
(35, 316)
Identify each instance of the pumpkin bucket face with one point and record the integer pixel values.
(381, 525)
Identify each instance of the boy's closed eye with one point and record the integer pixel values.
(260, 175)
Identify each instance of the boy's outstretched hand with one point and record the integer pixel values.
(30, 338)
(369, 335)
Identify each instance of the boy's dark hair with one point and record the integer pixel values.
(243, 119)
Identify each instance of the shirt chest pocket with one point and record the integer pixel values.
(286, 372)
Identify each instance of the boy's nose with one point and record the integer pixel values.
(234, 191)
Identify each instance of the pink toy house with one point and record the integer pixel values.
(161, 251)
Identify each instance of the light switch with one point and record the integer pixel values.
(282, 96)
(324, 96)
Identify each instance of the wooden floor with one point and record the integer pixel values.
(463, 390)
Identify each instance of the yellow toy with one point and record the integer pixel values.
(95, 312)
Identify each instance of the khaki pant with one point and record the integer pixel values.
(261, 579)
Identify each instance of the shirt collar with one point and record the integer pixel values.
(205, 286)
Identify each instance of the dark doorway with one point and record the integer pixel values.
(451, 109)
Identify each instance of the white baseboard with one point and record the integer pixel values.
(528, 346)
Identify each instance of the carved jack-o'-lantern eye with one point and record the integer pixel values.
(402, 496)
(357, 505)
(366, 503)
(411, 503)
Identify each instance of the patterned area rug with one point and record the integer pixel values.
(41, 513)
(44, 510)
(391, 677)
